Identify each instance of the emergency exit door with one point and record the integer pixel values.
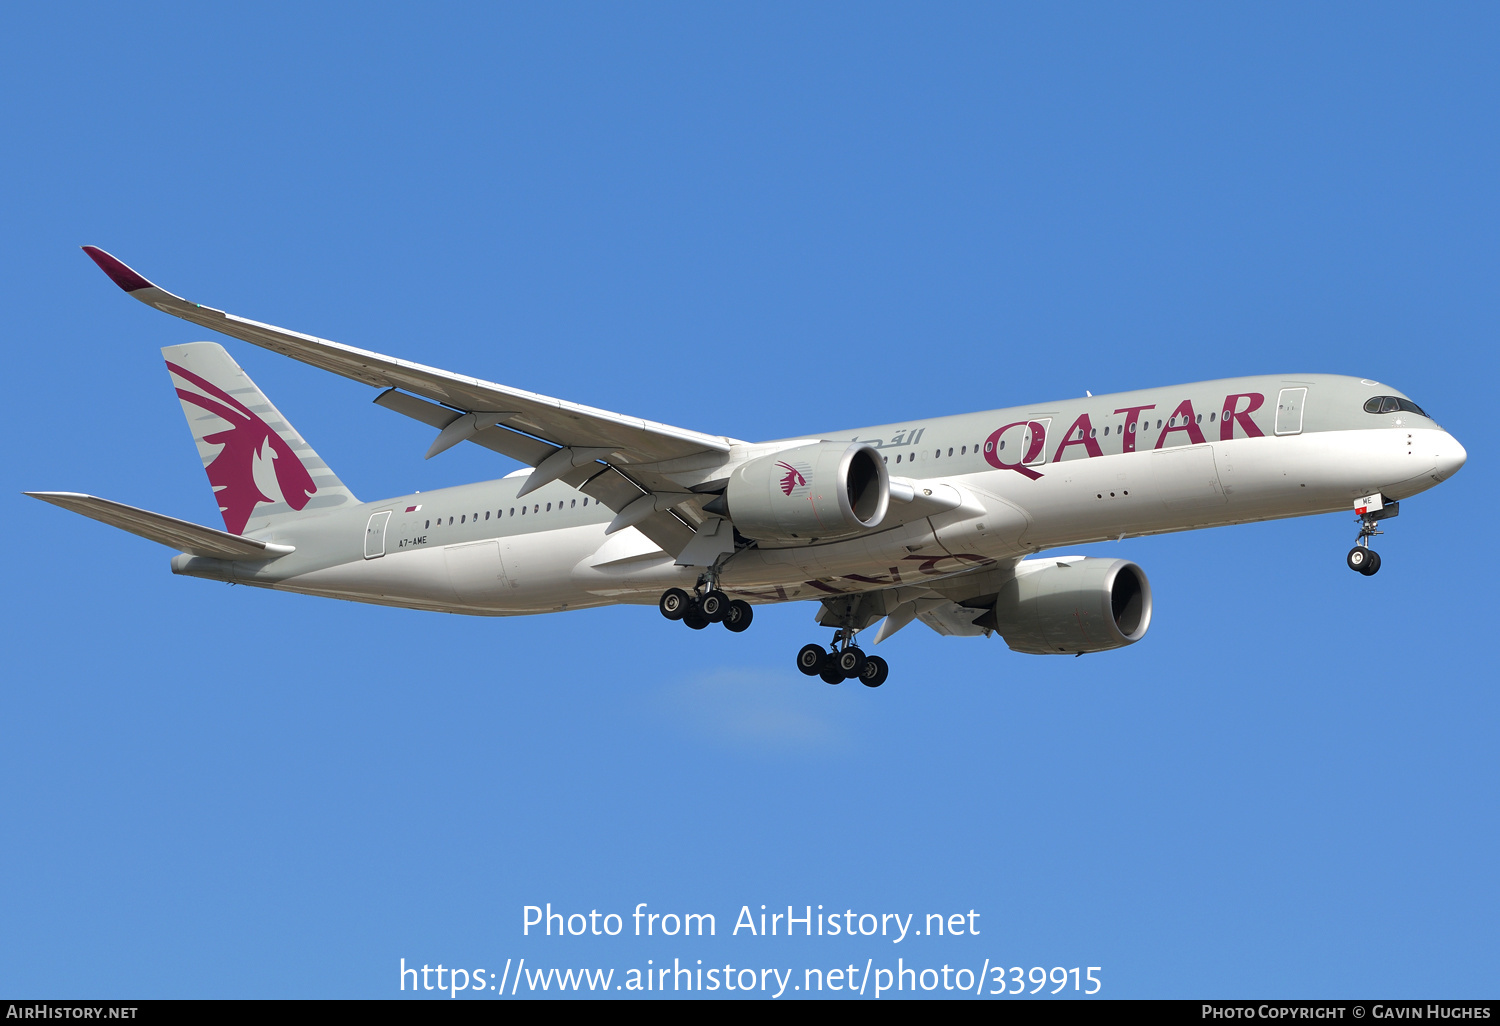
(375, 534)
(1289, 411)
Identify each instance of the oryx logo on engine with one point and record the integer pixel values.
(794, 478)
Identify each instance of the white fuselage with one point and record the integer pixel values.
(478, 549)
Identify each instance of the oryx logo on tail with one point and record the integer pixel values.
(232, 470)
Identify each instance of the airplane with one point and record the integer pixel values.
(941, 520)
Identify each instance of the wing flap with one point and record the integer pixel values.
(182, 535)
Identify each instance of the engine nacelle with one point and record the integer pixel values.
(1082, 605)
(820, 491)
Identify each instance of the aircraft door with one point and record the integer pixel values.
(1186, 477)
(1036, 435)
(512, 556)
(1289, 411)
(375, 534)
(475, 571)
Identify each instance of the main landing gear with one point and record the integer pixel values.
(1363, 559)
(704, 608)
(845, 662)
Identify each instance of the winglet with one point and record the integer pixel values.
(117, 271)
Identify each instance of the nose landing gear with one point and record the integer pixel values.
(1371, 510)
(844, 662)
(1364, 560)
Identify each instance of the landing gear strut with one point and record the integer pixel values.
(844, 662)
(1371, 509)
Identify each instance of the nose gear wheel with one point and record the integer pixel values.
(1362, 559)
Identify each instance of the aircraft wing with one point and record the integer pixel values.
(526, 426)
(182, 535)
(949, 603)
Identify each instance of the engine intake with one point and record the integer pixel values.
(1082, 605)
(820, 491)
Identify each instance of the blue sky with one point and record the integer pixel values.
(757, 221)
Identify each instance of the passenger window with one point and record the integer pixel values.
(585, 502)
(513, 511)
(938, 455)
(1002, 444)
(462, 519)
(964, 451)
(898, 459)
(1106, 431)
(1093, 432)
(549, 507)
(523, 511)
(427, 525)
(536, 508)
(1210, 417)
(450, 521)
(950, 450)
(572, 503)
(1132, 428)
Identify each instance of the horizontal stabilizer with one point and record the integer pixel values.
(169, 531)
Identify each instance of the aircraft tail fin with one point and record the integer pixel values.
(260, 468)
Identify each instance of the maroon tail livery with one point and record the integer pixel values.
(254, 460)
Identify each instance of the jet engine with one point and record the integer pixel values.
(1072, 606)
(820, 491)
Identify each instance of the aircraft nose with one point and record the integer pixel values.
(1450, 456)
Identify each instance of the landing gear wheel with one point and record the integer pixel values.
(674, 603)
(737, 615)
(810, 659)
(874, 673)
(831, 673)
(1372, 564)
(1360, 557)
(851, 662)
(713, 605)
(694, 619)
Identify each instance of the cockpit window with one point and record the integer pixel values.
(1393, 404)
